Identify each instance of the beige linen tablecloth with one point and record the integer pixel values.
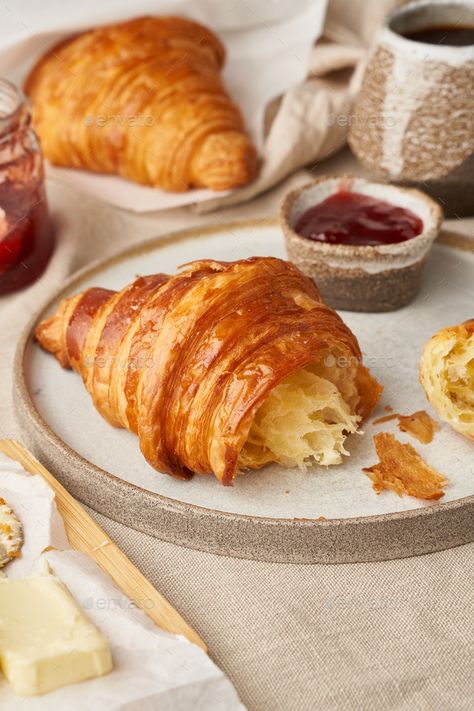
(378, 636)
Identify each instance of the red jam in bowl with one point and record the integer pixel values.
(356, 219)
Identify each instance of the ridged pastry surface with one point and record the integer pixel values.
(186, 361)
(447, 375)
(142, 99)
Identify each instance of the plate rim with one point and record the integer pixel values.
(446, 238)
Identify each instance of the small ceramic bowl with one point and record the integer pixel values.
(361, 278)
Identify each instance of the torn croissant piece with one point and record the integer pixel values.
(403, 470)
(143, 99)
(420, 425)
(225, 366)
(447, 376)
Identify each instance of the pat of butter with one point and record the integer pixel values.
(46, 641)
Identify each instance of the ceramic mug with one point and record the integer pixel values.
(413, 119)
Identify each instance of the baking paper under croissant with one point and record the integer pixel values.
(447, 375)
(186, 361)
(142, 99)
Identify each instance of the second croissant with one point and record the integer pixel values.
(143, 99)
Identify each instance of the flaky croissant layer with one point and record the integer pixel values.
(447, 375)
(142, 99)
(187, 362)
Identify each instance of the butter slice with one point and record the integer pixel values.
(46, 641)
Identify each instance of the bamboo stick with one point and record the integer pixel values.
(86, 535)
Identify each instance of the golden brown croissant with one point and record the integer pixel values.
(447, 375)
(142, 99)
(226, 365)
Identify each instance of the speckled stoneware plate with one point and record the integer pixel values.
(274, 514)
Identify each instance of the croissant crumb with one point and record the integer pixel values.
(420, 425)
(402, 470)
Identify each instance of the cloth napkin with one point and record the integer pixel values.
(310, 122)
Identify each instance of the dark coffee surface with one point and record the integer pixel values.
(461, 36)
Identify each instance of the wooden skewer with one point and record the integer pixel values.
(86, 535)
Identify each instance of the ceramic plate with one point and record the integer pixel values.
(325, 514)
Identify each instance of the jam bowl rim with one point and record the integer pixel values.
(432, 217)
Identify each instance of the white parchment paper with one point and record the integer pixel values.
(267, 43)
(152, 668)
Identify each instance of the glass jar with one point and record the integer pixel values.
(26, 237)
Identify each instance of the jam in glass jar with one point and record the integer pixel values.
(26, 236)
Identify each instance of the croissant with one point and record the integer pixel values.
(225, 366)
(447, 375)
(142, 99)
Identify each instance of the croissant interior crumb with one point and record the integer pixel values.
(402, 470)
(447, 375)
(304, 420)
(459, 378)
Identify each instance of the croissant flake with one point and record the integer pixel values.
(402, 470)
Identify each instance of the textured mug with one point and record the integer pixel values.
(414, 117)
